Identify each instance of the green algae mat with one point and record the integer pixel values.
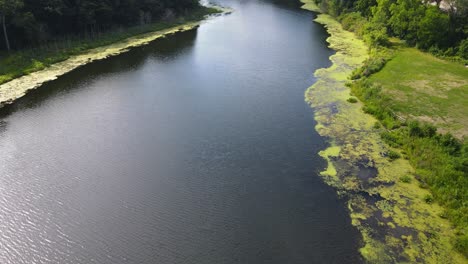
(385, 204)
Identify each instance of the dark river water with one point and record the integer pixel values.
(198, 148)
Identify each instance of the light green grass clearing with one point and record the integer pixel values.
(428, 89)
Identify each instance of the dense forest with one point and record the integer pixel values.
(440, 26)
(28, 23)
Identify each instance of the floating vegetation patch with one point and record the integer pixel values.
(391, 212)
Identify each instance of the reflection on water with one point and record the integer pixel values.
(198, 148)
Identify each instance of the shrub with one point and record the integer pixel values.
(377, 37)
(391, 139)
(393, 155)
(428, 198)
(405, 179)
(370, 66)
(463, 49)
(462, 244)
(352, 100)
(414, 129)
(353, 22)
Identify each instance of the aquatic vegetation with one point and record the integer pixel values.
(393, 216)
(40, 73)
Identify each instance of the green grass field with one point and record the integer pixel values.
(429, 89)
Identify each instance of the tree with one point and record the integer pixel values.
(405, 18)
(8, 7)
(364, 6)
(433, 28)
(32, 22)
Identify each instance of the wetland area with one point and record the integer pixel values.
(231, 140)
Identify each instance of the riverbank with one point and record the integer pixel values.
(16, 82)
(396, 222)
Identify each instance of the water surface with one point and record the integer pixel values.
(198, 148)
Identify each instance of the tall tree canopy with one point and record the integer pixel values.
(442, 27)
(30, 22)
(7, 8)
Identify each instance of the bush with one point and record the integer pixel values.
(406, 179)
(462, 244)
(393, 155)
(370, 66)
(428, 198)
(391, 139)
(352, 100)
(353, 22)
(377, 38)
(463, 49)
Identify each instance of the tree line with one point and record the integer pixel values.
(26, 23)
(440, 26)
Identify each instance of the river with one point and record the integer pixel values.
(197, 148)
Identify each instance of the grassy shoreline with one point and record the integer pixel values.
(25, 70)
(390, 210)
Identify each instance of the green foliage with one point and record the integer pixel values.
(462, 244)
(8, 7)
(352, 100)
(381, 12)
(405, 17)
(364, 6)
(33, 22)
(463, 49)
(415, 21)
(428, 198)
(370, 66)
(433, 28)
(23, 62)
(354, 22)
(393, 155)
(426, 130)
(376, 103)
(391, 138)
(406, 179)
(376, 37)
